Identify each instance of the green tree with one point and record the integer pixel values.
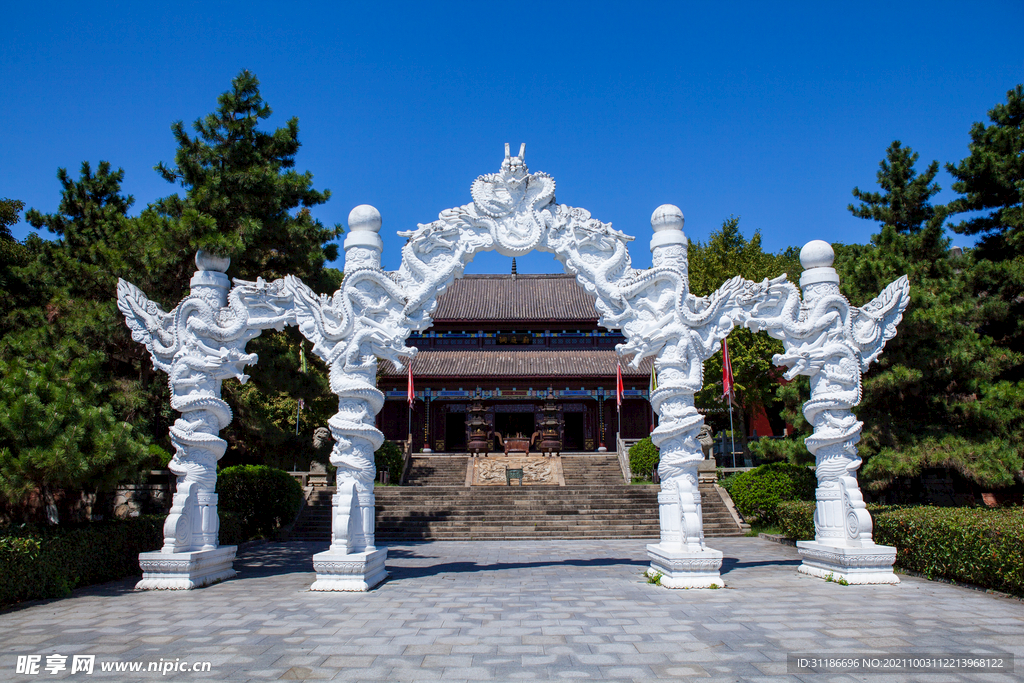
(93, 427)
(244, 199)
(76, 275)
(905, 203)
(991, 181)
(726, 254)
(12, 255)
(9, 210)
(58, 433)
(991, 184)
(933, 398)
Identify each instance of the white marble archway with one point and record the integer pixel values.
(370, 317)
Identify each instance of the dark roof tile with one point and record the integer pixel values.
(524, 297)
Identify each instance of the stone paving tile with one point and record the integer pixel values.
(522, 611)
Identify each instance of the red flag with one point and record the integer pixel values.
(411, 391)
(618, 384)
(727, 380)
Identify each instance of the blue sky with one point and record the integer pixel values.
(769, 111)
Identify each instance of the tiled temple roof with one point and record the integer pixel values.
(518, 363)
(524, 297)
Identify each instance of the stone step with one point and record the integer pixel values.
(595, 503)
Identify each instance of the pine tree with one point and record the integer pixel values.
(72, 418)
(992, 180)
(244, 199)
(9, 210)
(58, 432)
(933, 399)
(905, 204)
(12, 255)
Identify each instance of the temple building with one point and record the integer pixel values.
(515, 351)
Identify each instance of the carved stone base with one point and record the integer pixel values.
(185, 571)
(871, 564)
(686, 569)
(352, 572)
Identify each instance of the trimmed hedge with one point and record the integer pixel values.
(758, 492)
(643, 458)
(796, 519)
(230, 528)
(972, 545)
(48, 562)
(264, 498)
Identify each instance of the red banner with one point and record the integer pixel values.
(727, 380)
(618, 384)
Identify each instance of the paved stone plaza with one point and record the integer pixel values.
(526, 610)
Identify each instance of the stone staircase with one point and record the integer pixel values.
(437, 470)
(594, 503)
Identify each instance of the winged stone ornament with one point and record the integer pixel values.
(874, 324)
(149, 324)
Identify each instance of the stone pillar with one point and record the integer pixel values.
(680, 558)
(191, 555)
(353, 562)
(842, 548)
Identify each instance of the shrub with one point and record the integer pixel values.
(643, 457)
(49, 562)
(758, 492)
(390, 458)
(264, 498)
(972, 545)
(230, 528)
(796, 519)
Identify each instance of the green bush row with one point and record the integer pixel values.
(264, 498)
(758, 492)
(41, 562)
(971, 545)
(49, 562)
(796, 519)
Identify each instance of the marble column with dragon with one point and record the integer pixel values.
(350, 330)
(662, 318)
(833, 343)
(199, 344)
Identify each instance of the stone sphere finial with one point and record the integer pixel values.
(817, 254)
(211, 262)
(364, 218)
(667, 217)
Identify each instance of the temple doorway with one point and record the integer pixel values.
(513, 424)
(455, 432)
(573, 433)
